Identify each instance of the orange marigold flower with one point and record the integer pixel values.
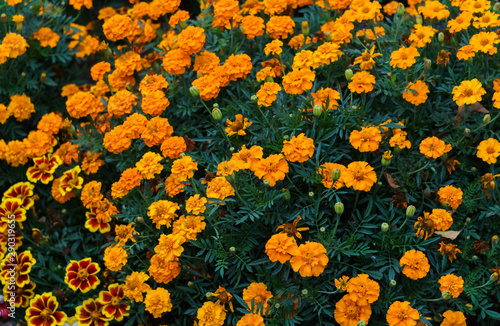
(13, 45)
(450, 250)
(42, 311)
(50, 123)
(416, 93)
(298, 149)
(362, 290)
(16, 153)
(362, 82)
(298, 81)
(121, 103)
(77, 4)
(173, 147)
(366, 140)
(44, 169)
(237, 66)
(125, 233)
(211, 314)
(309, 258)
(326, 171)
(81, 275)
(118, 27)
(468, 92)
(434, 9)
(348, 312)
(91, 162)
(258, 293)
(82, 104)
(162, 212)
(326, 96)
(91, 313)
(20, 107)
(280, 26)
(46, 37)
(113, 300)
(433, 147)
(5, 114)
(170, 246)
(272, 168)
(327, 53)
(135, 286)
(183, 168)
(176, 61)
(149, 165)
(273, 48)
(152, 82)
(208, 86)
(157, 302)
(252, 26)
(305, 59)
(441, 218)
(251, 319)
(421, 35)
(453, 318)
(178, 17)
(188, 226)
(130, 178)
(485, 42)
(280, 246)
(39, 143)
(404, 57)
(366, 61)
(238, 126)
(157, 130)
(401, 314)
(224, 11)
(115, 257)
(341, 283)
(162, 270)
(452, 283)
(219, 188)
(134, 125)
(359, 176)
(451, 195)
(205, 62)
(248, 158)
(91, 194)
(191, 39)
(462, 22)
(117, 141)
(488, 150)
(416, 265)
(227, 168)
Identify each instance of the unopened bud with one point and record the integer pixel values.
(466, 131)
(190, 284)
(317, 110)
(3, 18)
(410, 211)
(401, 9)
(427, 64)
(269, 79)
(339, 208)
(397, 149)
(287, 195)
(494, 240)
(446, 205)
(305, 292)
(349, 74)
(43, 77)
(386, 162)
(232, 250)
(384, 227)
(19, 27)
(64, 211)
(216, 105)
(328, 36)
(254, 99)
(217, 114)
(322, 229)
(393, 283)
(494, 277)
(487, 119)
(305, 28)
(208, 295)
(23, 74)
(361, 323)
(311, 194)
(231, 149)
(267, 182)
(335, 174)
(140, 219)
(475, 257)
(182, 24)
(496, 7)
(467, 220)
(419, 19)
(194, 91)
(440, 37)
(379, 183)
(129, 86)
(447, 295)
(473, 169)
(286, 137)
(277, 305)
(242, 29)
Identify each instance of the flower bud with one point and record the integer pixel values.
(23, 74)
(440, 37)
(467, 220)
(397, 149)
(254, 99)
(427, 64)
(328, 36)
(277, 305)
(496, 7)
(267, 182)
(447, 295)
(349, 74)
(182, 24)
(380, 184)
(305, 28)
(217, 114)
(419, 19)
(410, 211)
(475, 257)
(232, 250)
(311, 194)
(208, 295)
(269, 79)
(446, 205)
(384, 227)
(466, 131)
(494, 277)
(386, 162)
(140, 219)
(64, 211)
(194, 91)
(322, 229)
(231, 178)
(393, 283)
(3, 18)
(286, 194)
(43, 77)
(317, 110)
(487, 119)
(216, 105)
(286, 137)
(19, 27)
(339, 208)
(335, 174)
(494, 240)
(305, 292)
(190, 284)
(361, 323)
(401, 9)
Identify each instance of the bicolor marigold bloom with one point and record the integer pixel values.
(22, 295)
(81, 275)
(113, 300)
(211, 314)
(298, 149)
(451, 195)
(272, 168)
(452, 283)
(298, 81)
(162, 212)
(416, 93)
(253, 26)
(115, 257)
(401, 314)
(366, 140)
(22, 191)
(348, 312)
(42, 311)
(22, 262)
(433, 147)
(237, 126)
(362, 82)
(46, 37)
(44, 169)
(60, 198)
(118, 27)
(71, 180)
(258, 293)
(359, 176)
(453, 318)
(267, 93)
(279, 247)
(219, 188)
(135, 286)
(20, 107)
(157, 302)
(416, 265)
(280, 26)
(404, 57)
(468, 92)
(11, 209)
(362, 290)
(149, 165)
(309, 259)
(488, 150)
(91, 313)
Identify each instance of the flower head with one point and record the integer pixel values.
(81, 275)
(416, 265)
(42, 311)
(401, 314)
(488, 150)
(309, 259)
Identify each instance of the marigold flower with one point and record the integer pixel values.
(237, 66)
(170, 246)
(402, 314)
(91, 162)
(4, 113)
(81, 275)
(77, 4)
(424, 226)
(326, 96)
(421, 35)
(224, 11)
(176, 61)
(359, 176)
(451, 195)
(251, 319)
(434, 9)
(237, 126)
(58, 196)
(362, 82)
(149, 165)
(452, 283)
(113, 302)
(46, 37)
(327, 53)
(11, 209)
(208, 86)
(152, 82)
(42, 311)
(162, 212)
(341, 283)
(157, 302)
(280, 26)
(82, 104)
(16, 153)
(205, 62)
(362, 290)
(326, 171)
(125, 233)
(279, 247)
(488, 150)
(211, 314)
(68, 153)
(135, 286)
(404, 57)
(433, 147)
(179, 16)
(99, 70)
(71, 180)
(468, 92)
(298, 81)
(121, 103)
(484, 42)
(91, 313)
(272, 168)
(13, 45)
(188, 226)
(163, 270)
(183, 168)
(157, 130)
(416, 265)
(366, 140)
(453, 318)
(267, 93)
(298, 149)
(118, 27)
(252, 26)
(39, 143)
(460, 23)
(219, 188)
(173, 185)
(416, 93)
(441, 218)
(44, 169)
(258, 293)
(50, 123)
(20, 107)
(115, 257)
(191, 39)
(22, 262)
(309, 258)
(348, 312)
(450, 250)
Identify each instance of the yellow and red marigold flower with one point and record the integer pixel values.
(298, 149)
(43, 311)
(81, 275)
(91, 313)
(362, 290)
(11, 209)
(114, 302)
(22, 295)
(401, 314)
(349, 313)
(70, 180)
(280, 246)
(416, 265)
(309, 259)
(21, 263)
(272, 168)
(44, 169)
(23, 191)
